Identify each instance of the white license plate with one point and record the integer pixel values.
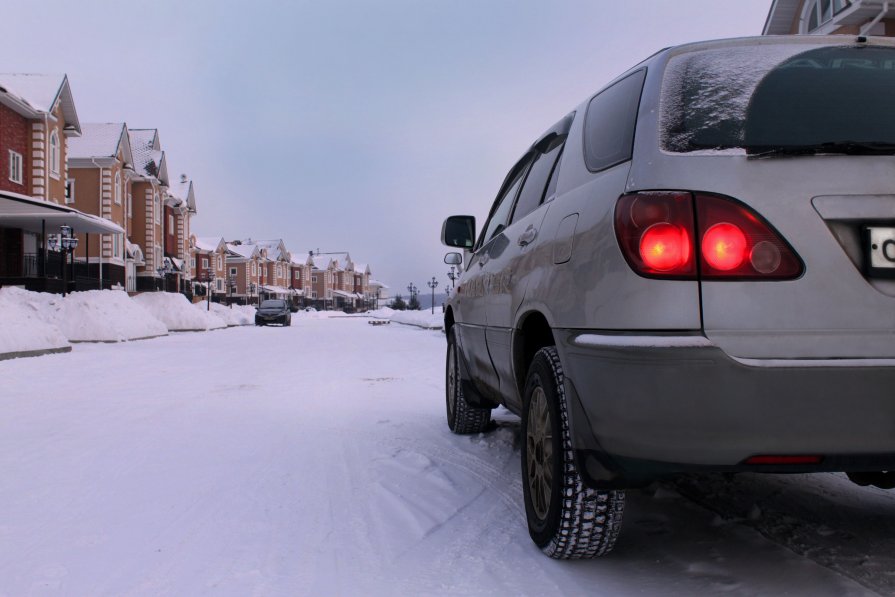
(882, 247)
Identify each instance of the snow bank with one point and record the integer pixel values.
(383, 313)
(233, 315)
(177, 313)
(423, 319)
(106, 316)
(23, 327)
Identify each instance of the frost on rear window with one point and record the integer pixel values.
(705, 94)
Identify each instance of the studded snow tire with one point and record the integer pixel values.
(566, 519)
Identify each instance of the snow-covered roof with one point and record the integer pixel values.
(101, 140)
(210, 244)
(321, 261)
(276, 249)
(182, 188)
(361, 268)
(246, 251)
(149, 159)
(378, 284)
(41, 92)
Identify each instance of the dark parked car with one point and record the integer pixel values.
(273, 311)
(693, 271)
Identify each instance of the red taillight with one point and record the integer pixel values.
(724, 246)
(665, 247)
(737, 243)
(784, 460)
(656, 231)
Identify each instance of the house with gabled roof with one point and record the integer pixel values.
(277, 270)
(37, 117)
(323, 270)
(179, 208)
(208, 265)
(245, 271)
(828, 17)
(148, 188)
(100, 169)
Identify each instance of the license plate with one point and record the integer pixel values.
(881, 250)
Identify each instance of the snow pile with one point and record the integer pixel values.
(423, 319)
(106, 316)
(23, 325)
(177, 313)
(383, 313)
(232, 315)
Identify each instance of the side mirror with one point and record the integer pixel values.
(459, 231)
(453, 259)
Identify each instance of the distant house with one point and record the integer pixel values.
(827, 17)
(145, 222)
(277, 270)
(100, 168)
(245, 271)
(208, 265)
(180, 207)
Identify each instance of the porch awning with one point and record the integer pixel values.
(28, 213)
(344, 294)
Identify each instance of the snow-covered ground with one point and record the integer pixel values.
(315, 460)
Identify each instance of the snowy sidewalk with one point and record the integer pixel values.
(311, 460)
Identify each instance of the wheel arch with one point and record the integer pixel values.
(533, 332)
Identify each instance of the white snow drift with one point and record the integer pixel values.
(22, 328)
(177, 313)
(232, 315)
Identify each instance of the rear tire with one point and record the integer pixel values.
(566, 519)
(462, 418)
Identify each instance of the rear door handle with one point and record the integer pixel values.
(528, 236)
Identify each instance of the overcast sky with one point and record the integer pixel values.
(348, 126)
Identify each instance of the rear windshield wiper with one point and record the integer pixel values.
(832, 147)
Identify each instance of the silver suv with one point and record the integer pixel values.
(693, 271)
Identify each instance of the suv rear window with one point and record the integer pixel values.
(788, 98)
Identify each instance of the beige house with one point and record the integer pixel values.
(245, 271)
(208, 265)
(828, 17)
(180, 207)
(145, 222)
(100, 168)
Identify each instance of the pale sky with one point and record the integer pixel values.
(348, 126)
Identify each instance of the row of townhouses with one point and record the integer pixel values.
(92, 205)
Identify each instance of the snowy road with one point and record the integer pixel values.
(315, 460)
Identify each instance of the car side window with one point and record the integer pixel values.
(551, 186)
(532, 194)
(610, 121)
(497, 221)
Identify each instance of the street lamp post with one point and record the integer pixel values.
(251, 291)
(452, 276)
(67, 243)
(433, 283)
(413, 290)
(208, 278)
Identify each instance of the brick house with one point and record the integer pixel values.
(277, 269)
(179, 208)
(208, 262)
(100, 169)
(825, 17)
(37, 117)
(145, 223)
(245, 269)
(300, 279)
(323, 270)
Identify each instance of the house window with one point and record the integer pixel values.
(313, 279)
(157, 218)
(170, 225)
(313, 294)
(220, 284)
(54, 153)
(820, 12)
(117, 190)
(205, 262)
(15, 167)
(130, 209)
(193, 262)
(254, 271)
(220, 262)
(232, 271)
(70, 191)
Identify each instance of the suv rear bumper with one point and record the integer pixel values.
(644, 406)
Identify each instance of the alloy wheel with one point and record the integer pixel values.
(539, 453)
